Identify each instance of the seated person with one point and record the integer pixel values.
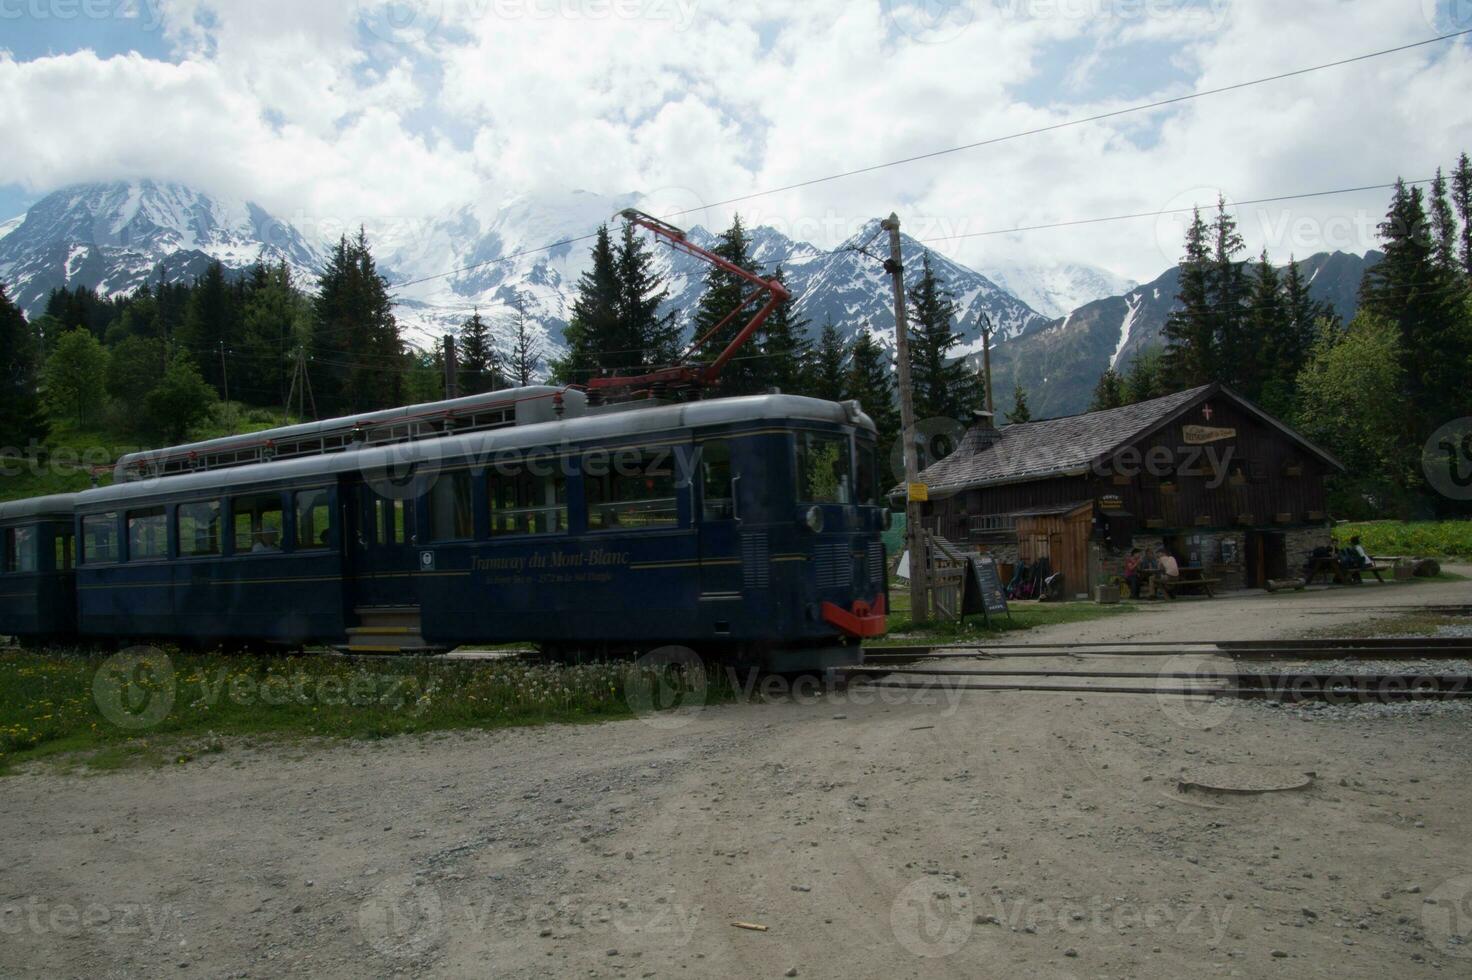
(1358, 555)
(1132, 572)
(267, 539)
(1169, 569)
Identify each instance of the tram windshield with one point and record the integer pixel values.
(824, 469)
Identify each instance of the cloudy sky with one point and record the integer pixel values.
(336, 111)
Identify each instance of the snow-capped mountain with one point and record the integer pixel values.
(116, 236)
(1059, 363)
(1057, 290)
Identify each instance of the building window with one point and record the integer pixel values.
(313, 520)
(824, 469)
(148, 536)
(451, 517)
(20, 549)
(259, 523)
(100, 539)
(639, 492)
(526, 503)
(717, 481)
(992, 522)
(198, 527)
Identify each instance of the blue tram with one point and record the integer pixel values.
(746, 528)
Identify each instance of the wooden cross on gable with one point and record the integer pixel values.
(1208, 411)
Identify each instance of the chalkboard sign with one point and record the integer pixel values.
(984, 592)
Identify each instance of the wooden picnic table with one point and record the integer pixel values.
(1192, 579)
(1330, 566)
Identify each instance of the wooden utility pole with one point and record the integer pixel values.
(986, 360)
(914, 530)
(452, 371)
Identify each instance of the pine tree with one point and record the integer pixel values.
(1109, 392)
(1146, 378)
(21, 419)
(943, 386)
(358, 355)
(868, 380)
(594, 324)
(647, 339)
(1462, 199)
(1020, 412)
(1272, 364)
(1238, 348)
(1443, 225)
(785, 348)
(724, 292)
(479, 369)
(211, 324)
(825, 374)
(526, 354)
(1428, 305)
(275, 324)
(1190, 332)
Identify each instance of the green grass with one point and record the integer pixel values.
(82, 706)
(1025, 616)
(1420, 539)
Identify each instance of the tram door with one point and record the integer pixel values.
(719, 514)
(384, 555)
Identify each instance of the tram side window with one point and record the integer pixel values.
(100, 539)
(148, 538)
(198, 527)
(20, 549)
(824, 469)
(313, 520)
(717, 481)
(522, 502)
(258, 524)
(632, 490)
(451, 517)
(869, 490)
(65, 550)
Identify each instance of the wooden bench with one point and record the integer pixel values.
(1184, 584)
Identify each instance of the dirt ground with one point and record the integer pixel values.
(911, 834)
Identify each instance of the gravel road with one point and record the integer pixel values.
(913, 834)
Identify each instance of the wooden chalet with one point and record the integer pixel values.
(1228, 487)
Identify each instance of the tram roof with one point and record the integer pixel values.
(56, 505)
(631, 424)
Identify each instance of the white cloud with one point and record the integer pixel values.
(319, 111)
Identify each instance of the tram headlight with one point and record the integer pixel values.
(814, 519)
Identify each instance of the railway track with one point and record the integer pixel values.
(1430, 648)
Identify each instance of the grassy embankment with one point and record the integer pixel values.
(1419, 539)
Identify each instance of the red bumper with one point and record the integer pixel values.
(864, 619)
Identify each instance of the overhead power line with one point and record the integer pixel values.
(990, 141)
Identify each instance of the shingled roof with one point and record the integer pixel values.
(1057, 447)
